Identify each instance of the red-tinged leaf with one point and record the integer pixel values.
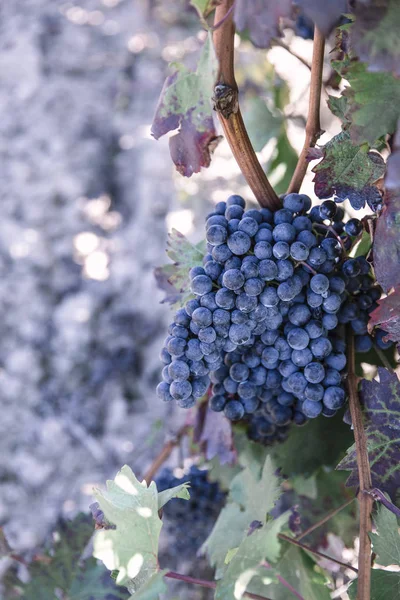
(381, 402)
(387, 232)
(261, 19)
(185, 104)
(325, 14)
(217, 437)
(374, 35)
(387, 316)
(348, 171)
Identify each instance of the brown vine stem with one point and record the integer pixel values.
(324, 519)
(293, 541)
(229, 112)
(313, 127)
(207, 584)
(364, 474)
(164, 454)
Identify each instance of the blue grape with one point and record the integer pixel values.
(248, 225)
(180, 390)
(336, 360)
(314, 372)
(233, 279)
(319, 284)
(298, 338)
(334, 397)
(363, 343)
(234, 410)
(216, 235)
(284, 232)
(263, 250)
(235, 199)
(239, 243)
(311, 409)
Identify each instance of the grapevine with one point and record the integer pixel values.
(280, 362)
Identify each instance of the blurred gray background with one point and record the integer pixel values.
(87, 198)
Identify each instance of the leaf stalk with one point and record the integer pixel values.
(313, 126)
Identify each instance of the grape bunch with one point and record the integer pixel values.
(266, 325)
(199, 513)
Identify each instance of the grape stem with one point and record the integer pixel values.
(313, 127)
(164, 454)
(295, 542)
(229, 112)
(364, 474)
(324, 519)
(207, 584)
(285, 583)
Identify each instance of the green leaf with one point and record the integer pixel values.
(250, 454)
(374, 35)
(385, 585)
(347, 170)
(338, 106)
(228, 531)
(262, 125)
(261, 545)
(256, 497)
(180, 491)
(364, 246)
(203, 7)
(95, 583)
(185, 104)
(330, 493)
(62, 568)
(59, 568)
(184, 255)
(152, 589)
(301, 572)
(223, 474)
(318, 443)
(386, 541)
(373, 105)
(251, 498)
(131, 548)
(305, 486)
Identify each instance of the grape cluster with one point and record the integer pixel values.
(199, 513)
(272, 289)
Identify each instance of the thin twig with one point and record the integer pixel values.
(164, 454)
(364, 474)
(383, 359)
(313, 127)
(230, 116)
(285, 583)
(207, 584)
(294, 541)
(282, 44)
(324, 519)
